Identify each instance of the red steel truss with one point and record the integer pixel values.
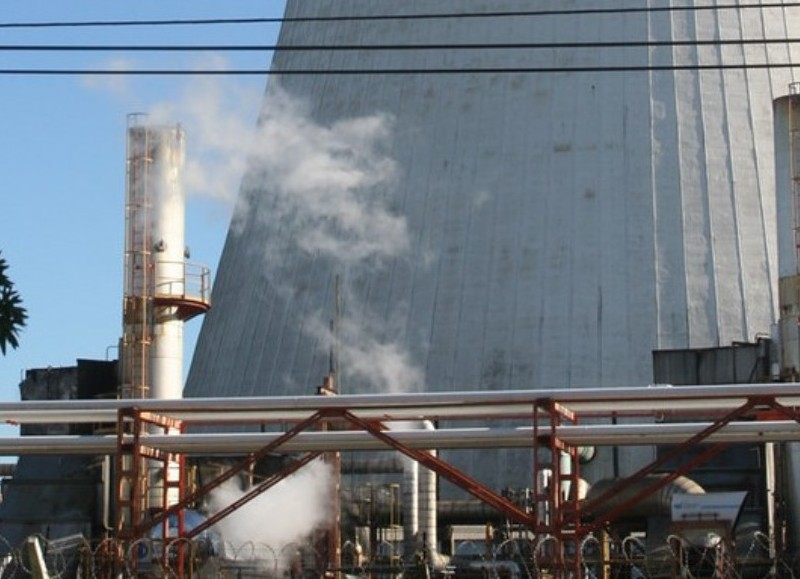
(556, 513)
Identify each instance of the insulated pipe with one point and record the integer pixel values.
(427, 508)
(658, 401)
(656, 503)
(443, 438)
(565, 471)
(410, 508)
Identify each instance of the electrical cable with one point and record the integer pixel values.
(394, 71)
(388, 47)
(431, 16)
(401, 47)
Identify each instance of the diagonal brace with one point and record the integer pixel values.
(270, 482)
(675, 452)
(230, 473)
(444, 470)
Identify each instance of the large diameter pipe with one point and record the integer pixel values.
(656, 401)
(428, 520)
(444, 438)
(410, 508)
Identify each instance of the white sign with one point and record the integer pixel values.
(708, 507)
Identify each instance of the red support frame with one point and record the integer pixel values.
(553, 514)
(752, 403)
(443, 469)
(242, 466)
(135, 461)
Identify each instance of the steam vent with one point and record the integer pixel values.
(489, 229)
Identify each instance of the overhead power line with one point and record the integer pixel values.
(385, 47)
(394, 71)
(371, 17)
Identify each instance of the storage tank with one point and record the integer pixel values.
(553, 227)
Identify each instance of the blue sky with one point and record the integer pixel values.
(62, 161)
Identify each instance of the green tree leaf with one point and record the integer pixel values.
(12, 314)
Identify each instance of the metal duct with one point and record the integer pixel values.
(427, 508)
(657, 503)
(661, 401)
(410, 507)
(451, 438)
(467, 512)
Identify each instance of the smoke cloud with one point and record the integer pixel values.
(277, 521)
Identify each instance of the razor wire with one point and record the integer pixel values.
(601, 557)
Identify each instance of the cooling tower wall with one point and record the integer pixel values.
(561, 225)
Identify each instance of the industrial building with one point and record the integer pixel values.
(520, 288)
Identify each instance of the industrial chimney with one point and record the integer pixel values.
(162, 289)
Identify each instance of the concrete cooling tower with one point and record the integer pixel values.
(494, 225)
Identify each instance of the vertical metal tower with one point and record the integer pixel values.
(161, 292)
(137, 293)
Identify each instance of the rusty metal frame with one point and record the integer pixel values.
(443, 469)
(131, 424)
(751, 404)
(242, 466)
(565, 520)
(554, 514)
(132, 469)
(250, 495)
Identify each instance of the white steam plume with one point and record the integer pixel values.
(327, 184)
(371, 350)
(322, 190)
(280, 517)
(219, 120)
(116, 84)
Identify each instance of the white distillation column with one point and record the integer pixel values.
(787, 189)
(169, 259)
(168, 247)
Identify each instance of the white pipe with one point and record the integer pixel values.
(410, 508)
(565, 471)
(33, 547)
(427, 508)
(655, 401)
(443, 438)
(771, 489)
